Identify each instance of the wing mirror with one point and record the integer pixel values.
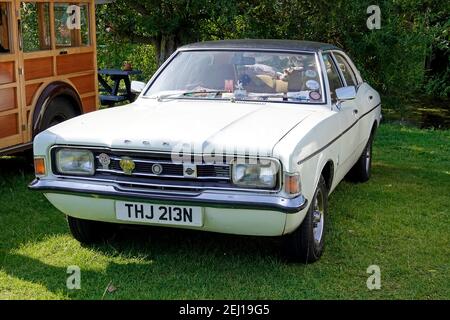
(137, 86)
(346, 93)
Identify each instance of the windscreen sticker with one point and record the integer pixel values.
(311, 73)
(312, 85)
(300, 95)
(229, 85)
(314, 95)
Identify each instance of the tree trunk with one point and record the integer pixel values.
(165, 45)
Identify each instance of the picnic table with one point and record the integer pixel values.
(111, 95)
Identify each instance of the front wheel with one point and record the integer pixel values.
(89, 232)
(307, 242)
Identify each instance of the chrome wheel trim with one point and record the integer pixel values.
(318, 216)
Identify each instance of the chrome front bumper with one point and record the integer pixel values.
(205, 198)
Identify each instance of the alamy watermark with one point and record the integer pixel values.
(374, 20)
(374, 280)
(73, 281)
(73, 21)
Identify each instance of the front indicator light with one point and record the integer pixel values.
(39, 167)
(292, 184)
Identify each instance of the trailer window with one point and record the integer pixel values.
(35, 21)
(71, 25)
(4, 28)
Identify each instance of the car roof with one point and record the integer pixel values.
(269, 44)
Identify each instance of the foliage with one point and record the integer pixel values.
(407, 57)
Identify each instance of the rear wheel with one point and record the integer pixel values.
(59, 110)
(362, 169)
(307, 242)
(89, 232)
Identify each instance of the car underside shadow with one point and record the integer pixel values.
(172, 241)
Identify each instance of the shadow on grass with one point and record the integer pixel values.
(54, 278)
(10, 166)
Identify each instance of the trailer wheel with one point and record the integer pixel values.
(59, 110)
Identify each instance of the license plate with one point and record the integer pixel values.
(159, 213)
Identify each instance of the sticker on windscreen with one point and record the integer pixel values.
(311, 73)
(312, 85)
(229, 85)
(314, 95)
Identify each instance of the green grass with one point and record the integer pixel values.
(399, 221)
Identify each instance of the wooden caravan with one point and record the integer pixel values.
(47, 67)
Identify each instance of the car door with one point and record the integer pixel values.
(346, 113)
(360, 103)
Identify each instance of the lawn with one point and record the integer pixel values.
(399, 221)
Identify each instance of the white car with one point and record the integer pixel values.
(244, 137)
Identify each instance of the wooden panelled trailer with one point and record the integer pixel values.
(48, 67)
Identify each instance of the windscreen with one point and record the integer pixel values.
(240, 75)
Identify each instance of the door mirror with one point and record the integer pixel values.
(346, 93)
(137, 86)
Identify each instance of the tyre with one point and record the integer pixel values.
(361, 171)
(59, 110)
(306, 243)
(89, 232)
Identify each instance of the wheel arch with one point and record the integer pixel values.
(328, 174)
(46, 95)
(374, 127)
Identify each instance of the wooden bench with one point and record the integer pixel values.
(108, 100)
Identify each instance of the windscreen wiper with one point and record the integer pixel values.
(189, 93)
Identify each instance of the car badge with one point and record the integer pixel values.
(157, 168)
(189, 170)
(127, 165)
(104, 160)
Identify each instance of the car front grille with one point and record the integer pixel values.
(171, 177)
(144, 168)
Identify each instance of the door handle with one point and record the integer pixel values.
(63, 52)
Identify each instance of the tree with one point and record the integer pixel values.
(165, 24)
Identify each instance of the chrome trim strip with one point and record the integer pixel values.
(205, 198)
(167, 162)
(159, 185)
(139, 174)
(16, 148)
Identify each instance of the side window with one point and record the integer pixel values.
(35, 21)
(4, 28)
(333, 76)
(347, 71)
(72, 25)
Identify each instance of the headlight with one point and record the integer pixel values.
(74, 161)
(261, 175)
